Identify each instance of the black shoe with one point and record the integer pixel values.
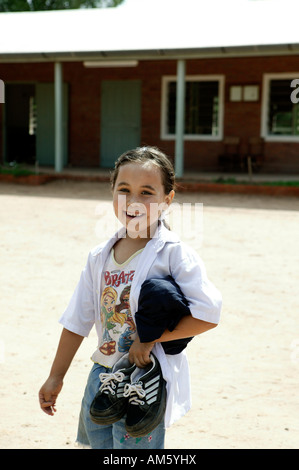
(147, 399)
(109, 404)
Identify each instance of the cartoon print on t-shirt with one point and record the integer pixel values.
(113, 318)
(108, 301)
(125, 339)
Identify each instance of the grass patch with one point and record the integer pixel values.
(15, 170)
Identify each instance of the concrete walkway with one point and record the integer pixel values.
(188, 175)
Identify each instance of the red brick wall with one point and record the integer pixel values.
(241, 119)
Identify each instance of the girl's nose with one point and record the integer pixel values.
(136, 208)
(133, 202)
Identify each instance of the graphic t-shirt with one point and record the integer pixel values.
(119, 330)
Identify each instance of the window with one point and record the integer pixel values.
(203, 108)
(32, 116)
(280, 118)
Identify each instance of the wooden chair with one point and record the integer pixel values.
(255, 154)
(230, 159)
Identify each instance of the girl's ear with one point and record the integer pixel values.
(169, 197)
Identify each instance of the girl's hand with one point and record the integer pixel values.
(48, 395)
(139, 353)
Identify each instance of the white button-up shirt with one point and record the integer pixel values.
(163, 255)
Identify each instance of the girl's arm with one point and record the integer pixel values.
(67, 348)
(187, 326)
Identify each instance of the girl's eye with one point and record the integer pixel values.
(147, 193)
(123, 190)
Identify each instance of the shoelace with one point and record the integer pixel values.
(107, 381)
(136, 391)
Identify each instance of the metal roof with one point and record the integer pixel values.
(153, 29)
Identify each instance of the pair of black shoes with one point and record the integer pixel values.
(138, 393)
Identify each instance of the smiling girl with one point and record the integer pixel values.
(143, 186)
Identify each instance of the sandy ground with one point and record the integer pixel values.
(245, 373)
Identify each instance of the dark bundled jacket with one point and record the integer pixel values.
(161, 305)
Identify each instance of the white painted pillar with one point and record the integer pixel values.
(2, 92)
(180, 119)
(58, 87)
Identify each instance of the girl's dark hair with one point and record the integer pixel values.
(146, 154)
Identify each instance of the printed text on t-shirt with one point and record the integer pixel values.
(115, 279)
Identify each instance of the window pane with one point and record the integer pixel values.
(171, 107)
(32, 116)
(283, 114)
(201, 108)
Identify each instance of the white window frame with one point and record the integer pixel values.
(267, 77)
(203, 78)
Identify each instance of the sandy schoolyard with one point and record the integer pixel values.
(245, 372)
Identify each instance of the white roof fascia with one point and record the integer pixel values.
(160, 29)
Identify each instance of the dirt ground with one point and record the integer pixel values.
(245, 372)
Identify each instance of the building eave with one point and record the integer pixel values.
(144, 55)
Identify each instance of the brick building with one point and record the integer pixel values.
(84, 86)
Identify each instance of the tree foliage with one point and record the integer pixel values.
(42, 5)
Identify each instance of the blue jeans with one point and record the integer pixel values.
(112, 436)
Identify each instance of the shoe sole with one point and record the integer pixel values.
(106, 419)
(144, 431)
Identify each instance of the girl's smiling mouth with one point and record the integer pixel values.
(134, 215)
(135, 210)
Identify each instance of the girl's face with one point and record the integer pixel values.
(139, 197)
(108, 303)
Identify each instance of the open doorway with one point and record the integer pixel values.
(30, 124)
(20, 123)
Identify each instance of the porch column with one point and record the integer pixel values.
(58, 117)
(2, 92)
(180, 119)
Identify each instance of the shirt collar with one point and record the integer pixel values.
(161, 236)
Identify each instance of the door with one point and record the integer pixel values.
(120, 119)
(19, 134)
(45, 131)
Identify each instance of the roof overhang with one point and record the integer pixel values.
(175, 54)
(153, 30)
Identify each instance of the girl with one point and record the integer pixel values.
(143, 185)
